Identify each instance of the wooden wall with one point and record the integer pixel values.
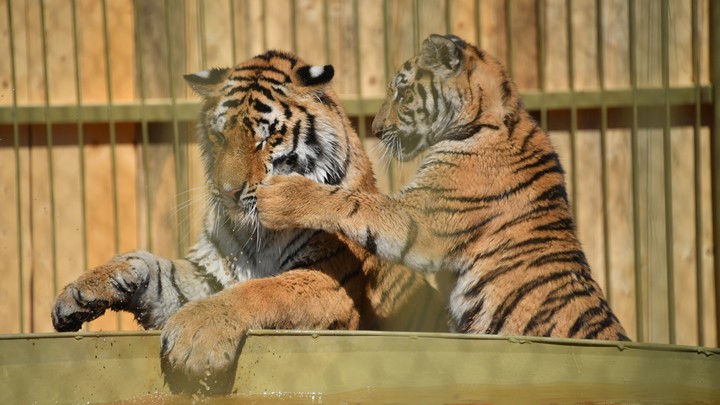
(100, 188)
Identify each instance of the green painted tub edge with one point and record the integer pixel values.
(103, 367)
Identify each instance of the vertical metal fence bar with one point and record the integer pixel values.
(573, 108)
(293, 25)
(478, 24)
(600, 23)
(699, 263)
(326, 30)
(634, 150)
(388, 73)
(18, 191)
(202, 37)
(176, 132)
(416, 26)
(49, 135)
(233, 39)
(667, 157)
(143, 123)
(540, 32)
(113, 138)
(715, 150)
(448, 17)
(362, 131)
(508, 37)
(263, 11)
(81, 134)
(111, 127)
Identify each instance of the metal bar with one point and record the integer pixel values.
(508, 37)
(416, 26)
(388, 74)
(715, 150)
(326, 31)
(202, 38)
(81, 134)
(697, 157)
(478, 24)
(49, 135)
(448, 17)
(573, 109)
(667, 157)
(18, 191)
(358, 68)
(143, 123)
(113, 140)
(233, 39)
(540, 32)
(111, 125)
(639, 303)
(600, 44)
(176, 136)
(293, 25)
(187, 110)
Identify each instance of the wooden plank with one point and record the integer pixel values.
(621, 253)
(708, 272)
(556, 47)
(278, 28)
(342, 46)
(372, 55)
(463, 15)
(524, 33)
(92, 52)
(310, 32)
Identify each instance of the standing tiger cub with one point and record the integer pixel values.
(488, 201)
(273, 114)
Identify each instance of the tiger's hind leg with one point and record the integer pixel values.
(137, 282)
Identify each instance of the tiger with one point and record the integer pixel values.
(273, 114)
(487, 203)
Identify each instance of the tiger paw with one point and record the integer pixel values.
(289, 202)
(91, 294)
(200, 346)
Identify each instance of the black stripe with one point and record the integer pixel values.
(548, 157)
(536, 212)
(261, 107)
(483, 281)
(370, 243)
(506, 309)
(356, 207)
(562, 224)
(508, 192)
(410, 240)
(555, 192)
(181, 297)
(583, 320)
(232, 103)
(469, 317)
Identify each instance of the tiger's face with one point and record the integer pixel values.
(442, 94)
(271, 115)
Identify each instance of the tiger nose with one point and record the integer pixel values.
(377, 128)
(233, 194)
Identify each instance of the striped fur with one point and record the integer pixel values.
(271, 115)
(488, 201)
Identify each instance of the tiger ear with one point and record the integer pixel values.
(314, 75)
(439, 53)
(206, 82)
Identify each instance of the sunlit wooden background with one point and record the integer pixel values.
(97, 149)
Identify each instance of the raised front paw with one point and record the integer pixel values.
(108, 286)
(289, 202)
(200, 346)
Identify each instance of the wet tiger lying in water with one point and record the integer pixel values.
(488, 201)
(270, 115)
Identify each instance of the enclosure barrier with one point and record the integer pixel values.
(98, 156)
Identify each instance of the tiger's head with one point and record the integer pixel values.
(449, 91)
(273, 114)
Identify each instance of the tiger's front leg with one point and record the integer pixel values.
(137, 282)
(201, 342)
